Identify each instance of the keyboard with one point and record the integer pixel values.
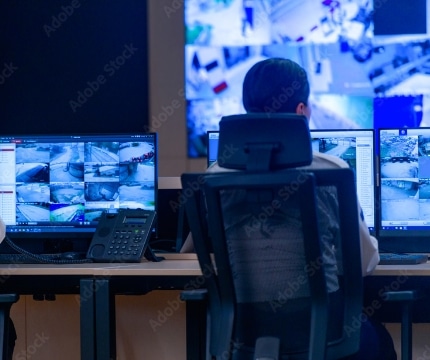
(402, 259)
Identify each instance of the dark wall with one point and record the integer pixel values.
(73, 66)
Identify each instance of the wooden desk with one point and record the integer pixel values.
(397, 278)
(176, 265)
(97, 285)
(129, 276)
(177, 271)
(408, 270)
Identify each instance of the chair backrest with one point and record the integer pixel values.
(279, 249)
(263, 142)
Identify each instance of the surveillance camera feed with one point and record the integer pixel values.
(368, 62)
(63, 183)
(354, 146)
(405, 173)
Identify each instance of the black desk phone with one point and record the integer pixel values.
(123, 236)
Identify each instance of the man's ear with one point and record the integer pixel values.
(300, 109)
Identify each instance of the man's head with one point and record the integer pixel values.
(276, 85)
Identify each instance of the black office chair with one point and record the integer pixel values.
(6, 302)
(267, 292)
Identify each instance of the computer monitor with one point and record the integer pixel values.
(355, 146)
(404, 168)
(55, 187)
(212, 141)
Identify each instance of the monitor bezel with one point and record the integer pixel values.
(208, 137)
(399, 240)
(76, 239)
(372, 230)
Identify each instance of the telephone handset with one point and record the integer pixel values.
(123, 236)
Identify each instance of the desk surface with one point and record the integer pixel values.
(407, 270)
(174, 265)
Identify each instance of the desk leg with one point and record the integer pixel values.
(196, 317)
(196, 313)
(87, 306)
(105, 321)
(406, 332)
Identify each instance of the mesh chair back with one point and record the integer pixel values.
(279, 248)
(277, 265)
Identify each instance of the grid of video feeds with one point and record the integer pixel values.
(405, 178)
(367, 61)
(55, 180)
(356, 148)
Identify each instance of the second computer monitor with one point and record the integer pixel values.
(404, 165)
(354, 146)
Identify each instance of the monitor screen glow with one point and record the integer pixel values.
(367, 69)
(59, 185)
(356, 147)
(404, 166)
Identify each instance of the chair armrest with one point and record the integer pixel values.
(267, 348)
(194, 295)
(405, 298)
(402, 295)
(9, 298)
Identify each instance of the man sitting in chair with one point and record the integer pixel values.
(280, 85)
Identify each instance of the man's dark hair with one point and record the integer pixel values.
(275, 85)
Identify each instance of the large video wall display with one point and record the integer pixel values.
(367, 61)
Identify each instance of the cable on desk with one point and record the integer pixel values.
(48, 259)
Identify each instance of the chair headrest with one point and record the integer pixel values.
(264, 142)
